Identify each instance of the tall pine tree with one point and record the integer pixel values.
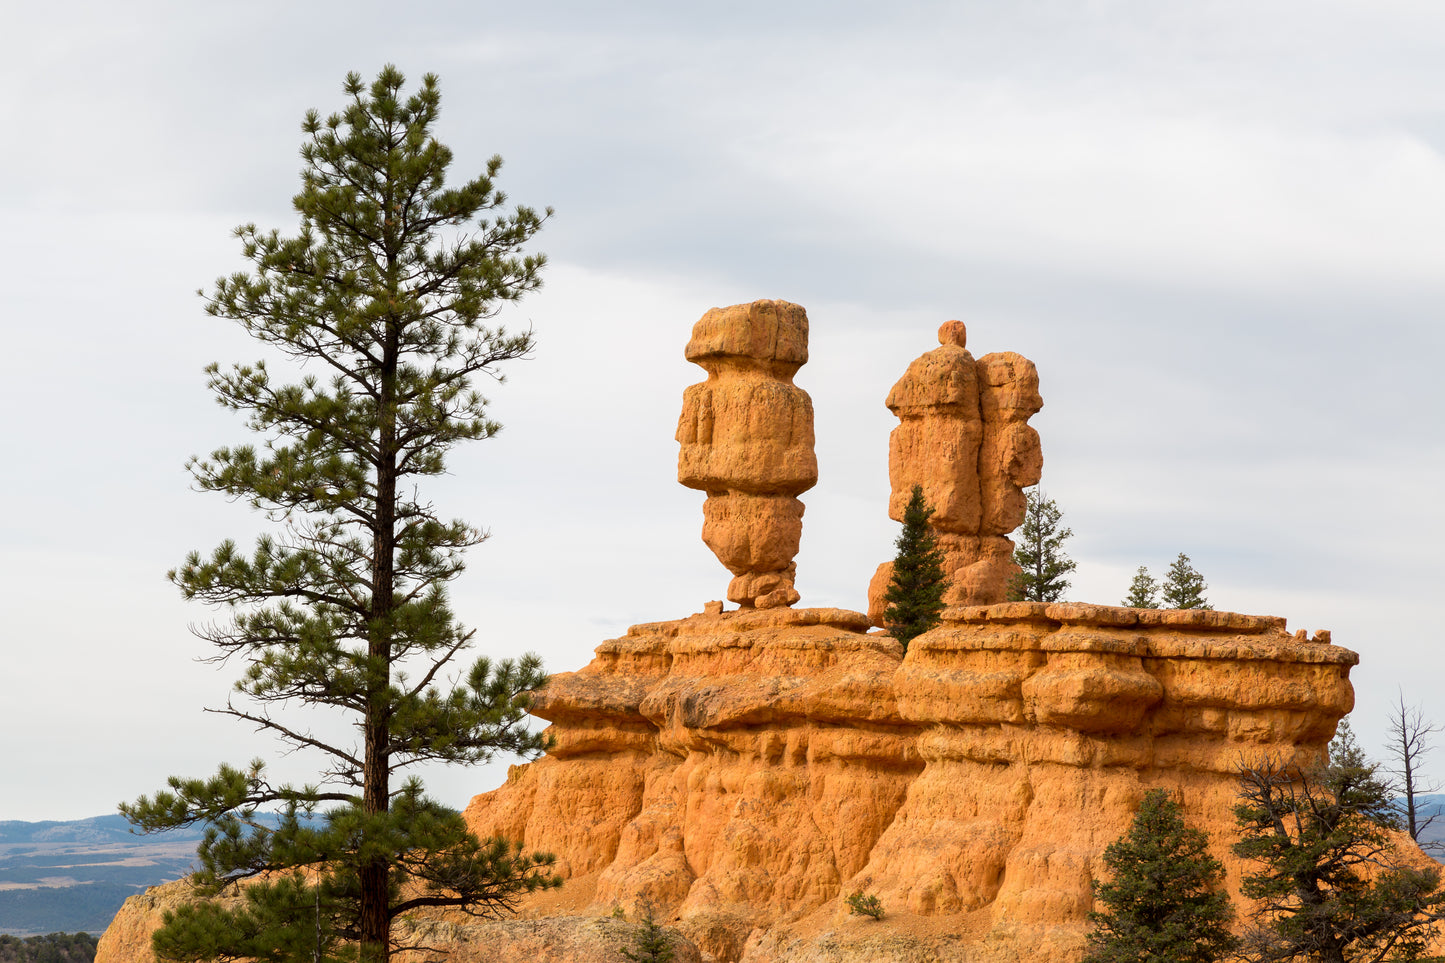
(915, 594)
(384, 295)
(1162, 902)
(1040, 553)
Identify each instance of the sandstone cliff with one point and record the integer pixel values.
(745, 771)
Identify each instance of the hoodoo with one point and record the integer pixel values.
(747, 440)
(742, 772)
(963, 436)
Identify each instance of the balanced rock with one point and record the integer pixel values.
(963, 436)
(747, 440)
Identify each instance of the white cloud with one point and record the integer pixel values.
(1216, 227)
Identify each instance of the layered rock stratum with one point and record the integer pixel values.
(744, 772)
(747, 771)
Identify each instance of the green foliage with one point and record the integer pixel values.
(1329, 886)
(385, 290)
(653, 944)
(309, 899)
(51, 948)
(915, 595)
(1040, 554)
(1143, 591)
(1162, 903)
(864, 904)
(1183, 587)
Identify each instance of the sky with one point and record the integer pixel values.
(1218, 229)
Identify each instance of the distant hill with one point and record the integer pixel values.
(1425, 806)
(95, 830)
(72, 876)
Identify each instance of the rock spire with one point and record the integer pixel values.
(747, 440)
(963, 435)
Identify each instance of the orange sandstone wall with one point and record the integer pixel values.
(744, 771)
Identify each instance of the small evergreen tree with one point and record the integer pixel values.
(1040, 554)
(1162, 903)
(915, 595)
(1143, 591)
(653, 944)
(865, 904)
(1183, 587)
(1329, 887)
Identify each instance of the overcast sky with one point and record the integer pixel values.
(1217, 228)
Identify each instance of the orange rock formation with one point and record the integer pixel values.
(747, 440)
(747, 770)
(964, 437)
(743, 772)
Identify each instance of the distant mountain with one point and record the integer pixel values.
(1425, 807)
(72, 876)
(114, 828)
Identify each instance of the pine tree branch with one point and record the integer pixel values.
(265, 722)
(441, 662)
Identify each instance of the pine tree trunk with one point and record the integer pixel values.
(374, 920)
(1408, 771)
(1408, 765)
(375, 910)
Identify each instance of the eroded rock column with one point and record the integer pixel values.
(747, 440)
(964, 436)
